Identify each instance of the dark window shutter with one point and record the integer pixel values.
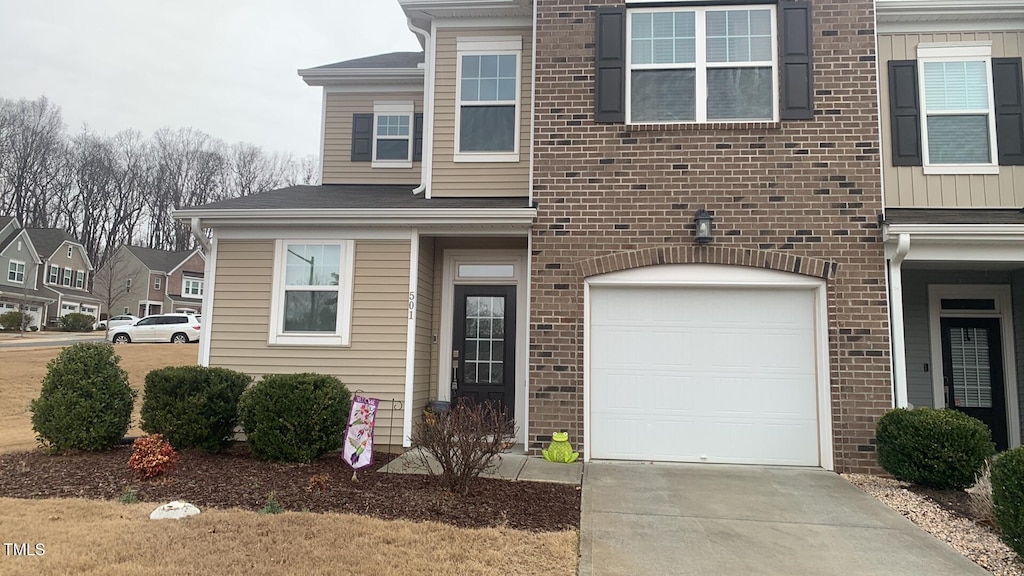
(904, 113)
(1009, 100)
(417, 138)
(795, 61)
(362, 137)
(610, 66)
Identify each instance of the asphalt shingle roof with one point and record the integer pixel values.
(953, 216)
(159, 260)
(48, 240)
(389, 60)
(355, 196)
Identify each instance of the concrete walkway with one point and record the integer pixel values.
(641, 518)
(510, 466)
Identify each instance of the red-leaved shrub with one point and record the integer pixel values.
(152, 456)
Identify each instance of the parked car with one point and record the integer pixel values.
(176, 328)
(120, 320)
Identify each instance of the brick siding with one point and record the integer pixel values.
(782, 194)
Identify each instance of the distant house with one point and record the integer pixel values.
(64, 274)
(145, 281)
(19, 262)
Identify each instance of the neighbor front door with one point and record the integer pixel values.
(484, 345)
(972, 364)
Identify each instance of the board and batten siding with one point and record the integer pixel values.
(909, 186)
(338, 165)
(424, 325)
(474, 179)
(374, 364)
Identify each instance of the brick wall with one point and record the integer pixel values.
(807, 189)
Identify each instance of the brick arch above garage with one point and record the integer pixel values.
(754, 258)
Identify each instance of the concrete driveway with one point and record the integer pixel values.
(642, 518)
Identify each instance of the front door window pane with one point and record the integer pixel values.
(485, 339)
(972, 372)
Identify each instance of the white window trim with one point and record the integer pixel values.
(185, 293)
(157, 284)
(394, 109)
(343, 333)
(54, 275)
(700, 64)
(12, 269)
(71, 251)
(66, 280)
(79, 279)
(958, 52)
(489, 46)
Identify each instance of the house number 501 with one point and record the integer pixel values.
(412, 304)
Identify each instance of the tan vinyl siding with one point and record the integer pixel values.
(374, 364)
(450, 178)
(424, 323)
(909, 186)
(338, 165)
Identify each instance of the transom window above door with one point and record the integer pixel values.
(701, 64)
(487, 120)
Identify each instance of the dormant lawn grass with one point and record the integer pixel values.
(110, 539)
(22, 371)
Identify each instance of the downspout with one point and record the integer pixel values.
(197, 232)
(428, 108)
(898, 337)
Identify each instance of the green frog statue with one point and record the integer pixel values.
(560, 450)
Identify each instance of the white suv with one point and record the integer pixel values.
(177, 328)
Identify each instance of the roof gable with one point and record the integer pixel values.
(159, 260)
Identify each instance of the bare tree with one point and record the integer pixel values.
(34, 163)
(305, 171)
(108, 280)
(251, 171)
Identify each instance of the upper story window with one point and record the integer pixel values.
(157, 283)
(54, 277)
(958, 128)
(16, 272)
(70, 251)
(127, 284)
(701, 65)
(312, 298)
(487, 119)
(956, 109)
(79, 279)
(192, 287)
(67, 277)
(392, 135)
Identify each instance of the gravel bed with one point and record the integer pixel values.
(966, 536)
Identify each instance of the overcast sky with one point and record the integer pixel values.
(227, 68)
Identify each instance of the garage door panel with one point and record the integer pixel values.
(703, 375)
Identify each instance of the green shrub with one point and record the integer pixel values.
(15, 320)
(938, 448)
(294, 417)
(86, 402)
(193, 406)
(76, 322)
(1008, 497)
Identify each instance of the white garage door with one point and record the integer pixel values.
(692, 374)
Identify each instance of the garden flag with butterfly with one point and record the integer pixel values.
(358, 449)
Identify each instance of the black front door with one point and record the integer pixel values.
(972, 364)
(484, 345)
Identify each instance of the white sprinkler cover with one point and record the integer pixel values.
(174, 510)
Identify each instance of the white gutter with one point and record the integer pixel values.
(956, 232)
(362, 216)
(197, 232)
(428, 105)
(898, 336)
(410, 339)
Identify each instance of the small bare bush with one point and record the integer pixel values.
(464, 441)
(981, 496)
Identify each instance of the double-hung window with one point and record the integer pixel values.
(79, 279)
(192, 288)
(16, 272)
(392, 134)
(67, 277)
(487, 116)
(312, 302)
(54, 277)
(958, 124)
(702, 64)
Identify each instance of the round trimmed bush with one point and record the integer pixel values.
(1008, 497)
(295, 417)
(193, 406)
(939, 448)
(77, 322)
(86, 402)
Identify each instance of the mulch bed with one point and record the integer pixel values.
(234, 479)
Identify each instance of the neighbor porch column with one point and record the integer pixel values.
(897, 338)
